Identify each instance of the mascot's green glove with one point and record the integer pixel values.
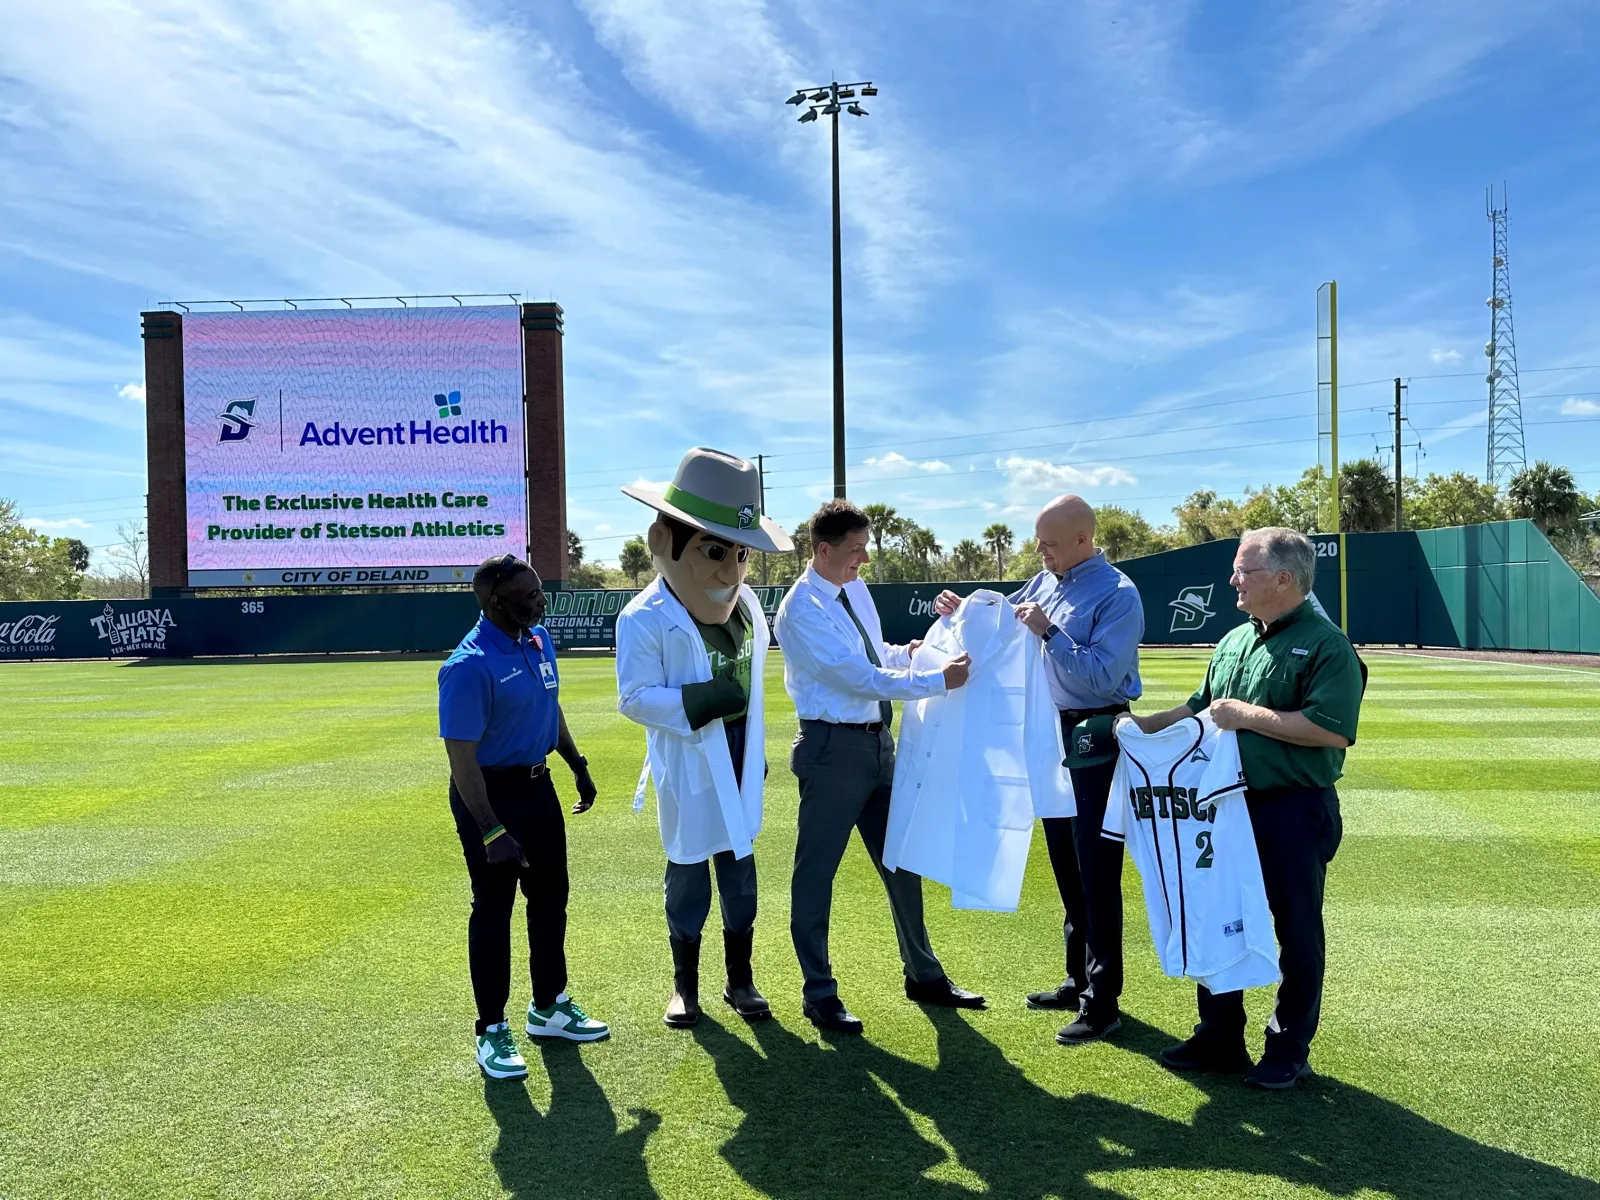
(720, 696)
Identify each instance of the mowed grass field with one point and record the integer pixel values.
(233, 964)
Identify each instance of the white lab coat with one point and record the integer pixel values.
(976, 766)
(700, 807)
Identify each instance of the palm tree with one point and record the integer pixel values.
(1546, 494)
(884, 524)
(800, 535)
(1366, 497)
(634, 559)
(966, 556)
(920, 546)
(998, 538)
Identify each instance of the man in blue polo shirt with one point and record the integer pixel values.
(500, 717)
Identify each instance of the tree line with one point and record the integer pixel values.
(35, 566)
(905, 551)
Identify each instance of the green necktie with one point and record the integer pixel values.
(885, 708)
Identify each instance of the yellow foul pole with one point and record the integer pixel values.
(1333, 426)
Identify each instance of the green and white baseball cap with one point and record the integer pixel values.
(721, 494)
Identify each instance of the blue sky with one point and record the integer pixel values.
(1082, 240)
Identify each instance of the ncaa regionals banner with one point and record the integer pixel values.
(359, 446)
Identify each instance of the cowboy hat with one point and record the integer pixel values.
(720, 494)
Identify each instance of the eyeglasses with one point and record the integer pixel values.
(1238, 574)
(717, 552)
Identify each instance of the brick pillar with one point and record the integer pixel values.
(544, 424)
(166, 515)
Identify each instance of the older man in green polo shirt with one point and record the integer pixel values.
(1290, 683)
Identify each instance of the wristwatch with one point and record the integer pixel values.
(1052, 631)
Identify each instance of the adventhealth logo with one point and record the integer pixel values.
(1191, 609)
(411, 433)
(238, 419)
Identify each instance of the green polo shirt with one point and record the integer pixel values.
(1299, 663)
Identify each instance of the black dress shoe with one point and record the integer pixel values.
(942, 993)
(1063, 999)
(1090, 1027)
(1276, 1075)
(830, 1014)
(1198, 1054)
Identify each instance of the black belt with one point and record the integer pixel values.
(1072, 716)
(864, 726)
(537, 771)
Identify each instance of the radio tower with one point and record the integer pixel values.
(1506, 453)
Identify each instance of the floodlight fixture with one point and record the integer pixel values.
(824, 101)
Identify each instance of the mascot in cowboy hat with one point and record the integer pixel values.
(690, 653)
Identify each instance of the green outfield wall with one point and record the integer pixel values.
(1483, 587)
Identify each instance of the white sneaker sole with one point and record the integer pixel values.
(497, 1073)
(544, 1031)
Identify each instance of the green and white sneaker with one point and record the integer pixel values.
(498, 1054)
(564, 1019)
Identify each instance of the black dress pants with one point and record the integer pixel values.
(531, 812)
(1298, 831)
(1088, 871)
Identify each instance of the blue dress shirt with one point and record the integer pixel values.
(502, 694)
(1094, 656)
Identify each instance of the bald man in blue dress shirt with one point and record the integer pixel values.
(1091, 620)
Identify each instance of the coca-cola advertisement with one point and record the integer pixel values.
(32, 635)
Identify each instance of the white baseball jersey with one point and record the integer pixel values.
(1177, 801)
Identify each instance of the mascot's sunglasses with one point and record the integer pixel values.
(718, 551)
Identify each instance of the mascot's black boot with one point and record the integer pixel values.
(683, 1010)
(741, 990)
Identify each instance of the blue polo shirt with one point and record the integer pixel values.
(501, 694)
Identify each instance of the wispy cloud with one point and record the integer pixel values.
(1034, 474)
(40, 524)
(1572, 406)
(1440, 357)
(894, 462)
(132, 391)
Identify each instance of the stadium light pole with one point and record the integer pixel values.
(824, 100)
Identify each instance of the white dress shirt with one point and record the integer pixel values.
(825, 666)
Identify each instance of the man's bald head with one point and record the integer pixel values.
(1065, 533)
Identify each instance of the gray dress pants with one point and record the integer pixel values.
(845, 775)
(688, 894)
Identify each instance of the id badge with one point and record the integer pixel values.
(547, 672)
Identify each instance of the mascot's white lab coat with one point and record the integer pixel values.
(701, 809)
(976, 766)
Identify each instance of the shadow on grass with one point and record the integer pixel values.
(574, 1149)
(845, 1121)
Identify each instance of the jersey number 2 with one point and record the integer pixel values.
(1202, 840)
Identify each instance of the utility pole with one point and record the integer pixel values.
(1398, 388)
(824, 100)
(761, 473)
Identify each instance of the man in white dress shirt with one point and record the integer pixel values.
(843, 679)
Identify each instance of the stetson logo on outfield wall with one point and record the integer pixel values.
(1191, 609)
(32, 631)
